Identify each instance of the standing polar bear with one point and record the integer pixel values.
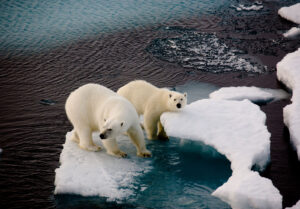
(152, 102)
(93, 107)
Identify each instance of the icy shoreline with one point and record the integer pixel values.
(238, 134)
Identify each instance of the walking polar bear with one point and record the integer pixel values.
(152, 102)
(93, 107)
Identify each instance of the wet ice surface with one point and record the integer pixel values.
(181, 174)
(288, 72)
(237, 130)
(203, 52)
(254, 94)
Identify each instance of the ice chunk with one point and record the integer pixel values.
(253, 7)
(97, 173)
(288, 72)
(294, 31)
(254, 94)
(296, 206)
(291, 13)
(237, 130)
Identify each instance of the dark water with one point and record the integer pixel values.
(32, 133)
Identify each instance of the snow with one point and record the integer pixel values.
(237, 130)
(294, 31)
(291, 13)
(296, 206)
(97, 173)
(254, 94)
(288, 72)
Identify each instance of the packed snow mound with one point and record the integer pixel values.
(254, 94)
(97, 173)
(294, 31)
(288, 72)
(237, 130)
(291, 13)
(296, 206)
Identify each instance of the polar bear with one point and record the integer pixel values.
(152, 101)
(93, 107)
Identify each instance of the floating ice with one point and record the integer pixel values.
(254, 7)
(291, 13)
(294, 31)
(288, 72)
(201, 51)
(97, 173)
(296, 206)
(254, 94)
(237, 130)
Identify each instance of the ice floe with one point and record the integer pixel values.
(97, 173)
(291, 13)
(237, 130)
(254, 7)
(296, 206)
(288, 72)
(254, 94)
(294, 31)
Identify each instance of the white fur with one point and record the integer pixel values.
(93, 107)
(152, 102)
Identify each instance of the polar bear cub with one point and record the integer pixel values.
(152, 102)
(93, 107)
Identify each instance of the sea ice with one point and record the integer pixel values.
(291, 13)
(237, 130)
(254, 7)
(288, 72)
(296, 206)
(254, 94)
(294, 31)
(97, 173)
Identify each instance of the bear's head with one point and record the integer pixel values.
(112, 128)
(176, 100)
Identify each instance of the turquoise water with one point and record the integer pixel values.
(183, 174)
(34, 25)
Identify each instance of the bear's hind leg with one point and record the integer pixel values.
(112, 148)
(162, 135)
(86, 141)
(74, 136)
(137, 137)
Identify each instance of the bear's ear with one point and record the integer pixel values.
(122, 124)
(170, 95)
(184, 94)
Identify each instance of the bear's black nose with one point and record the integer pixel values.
(102, 136)
(178, 105)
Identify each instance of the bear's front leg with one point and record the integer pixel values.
(162, 135)
(112, 148)
(86, 141)
(150, 122)
(137, 137)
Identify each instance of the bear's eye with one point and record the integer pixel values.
(174, 100)
(104, 120)
(181, 99)
(109, 129)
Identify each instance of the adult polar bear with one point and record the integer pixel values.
(93, 107)
(152, 102)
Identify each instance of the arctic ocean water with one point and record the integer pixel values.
(49, 48)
